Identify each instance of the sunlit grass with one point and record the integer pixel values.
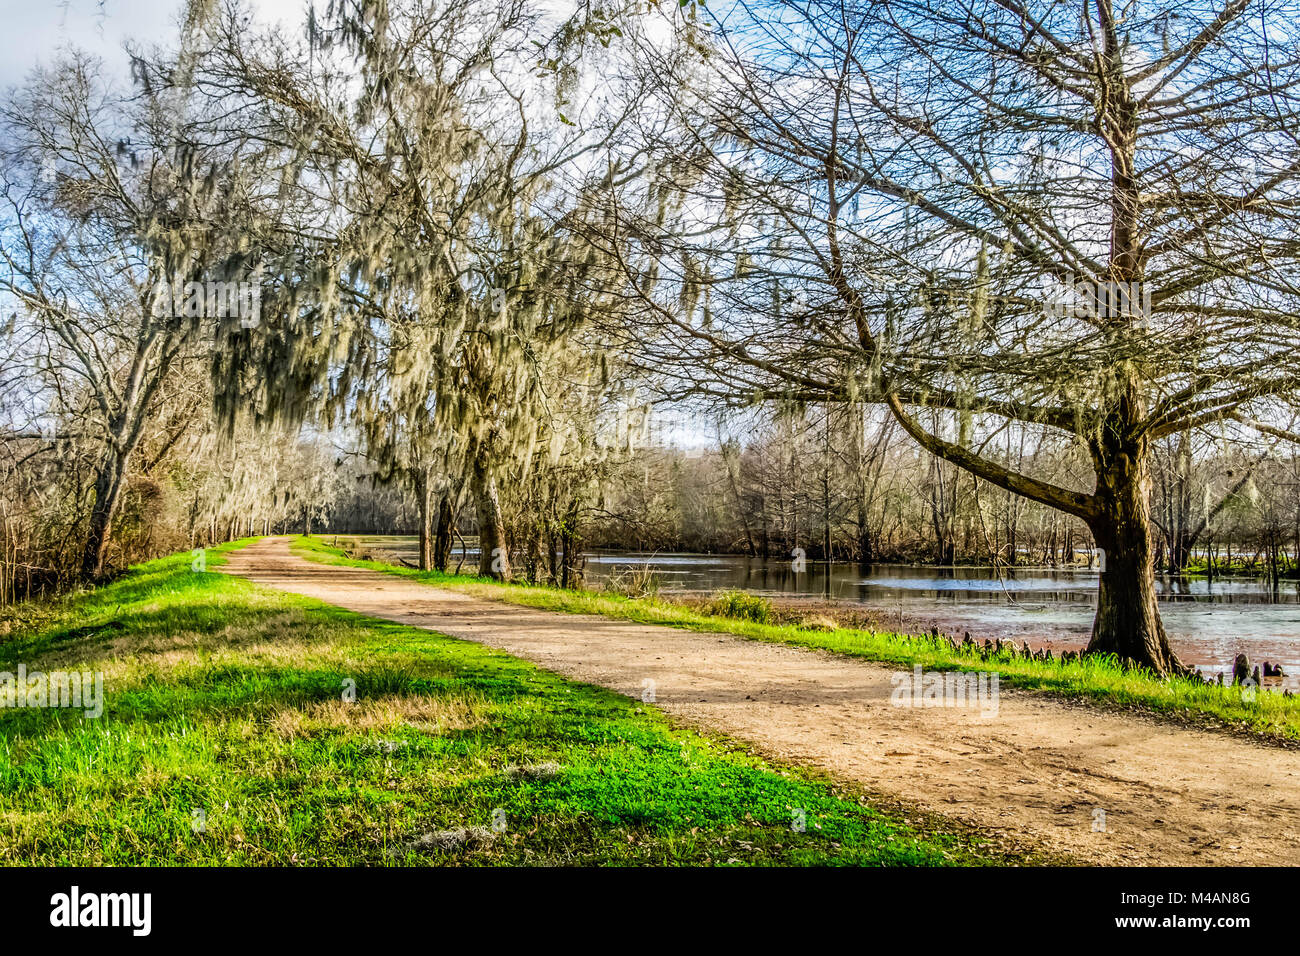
(1099, 679)
(227, 738)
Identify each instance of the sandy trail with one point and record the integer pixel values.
(1036, 773)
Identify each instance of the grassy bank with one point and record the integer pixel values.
(226, 738)
(1256, 568)
(1098, 680)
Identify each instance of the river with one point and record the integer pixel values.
(1209, 623)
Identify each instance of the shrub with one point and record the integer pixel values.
(742, 606)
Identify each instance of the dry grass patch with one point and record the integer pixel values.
(818, 622)
(534, 771)
(157, 662)
(464, 838)
(392, 712)
(178, 647)
(133, 662)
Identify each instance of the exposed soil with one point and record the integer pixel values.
(1037, 772)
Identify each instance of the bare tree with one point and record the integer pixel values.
(1057, 217)
(103, 190)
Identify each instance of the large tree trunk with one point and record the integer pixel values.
(424, 491)
(108, 492)
(866, 551)
(533, 552)
(493, 561)
(553, 551)
(569, 539)
(1128, 621)
(442, 544)
(1119, 514)
(123, 437)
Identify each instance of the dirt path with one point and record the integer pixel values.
(1037, 771)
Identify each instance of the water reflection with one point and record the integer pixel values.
(847, 581)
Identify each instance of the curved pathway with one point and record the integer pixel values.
(1041, 772)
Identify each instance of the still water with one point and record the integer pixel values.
(1208, 623)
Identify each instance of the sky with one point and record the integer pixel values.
(34, 30)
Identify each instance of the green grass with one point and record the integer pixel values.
(226, 700)
(1099, 680)
(1241, 567)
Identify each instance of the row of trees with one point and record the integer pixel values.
(412, 233)
(443, 302)
(785, 480)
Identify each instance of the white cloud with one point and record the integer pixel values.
(35, 30)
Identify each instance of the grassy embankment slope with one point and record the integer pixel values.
(1098, 680)
(225, 739)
